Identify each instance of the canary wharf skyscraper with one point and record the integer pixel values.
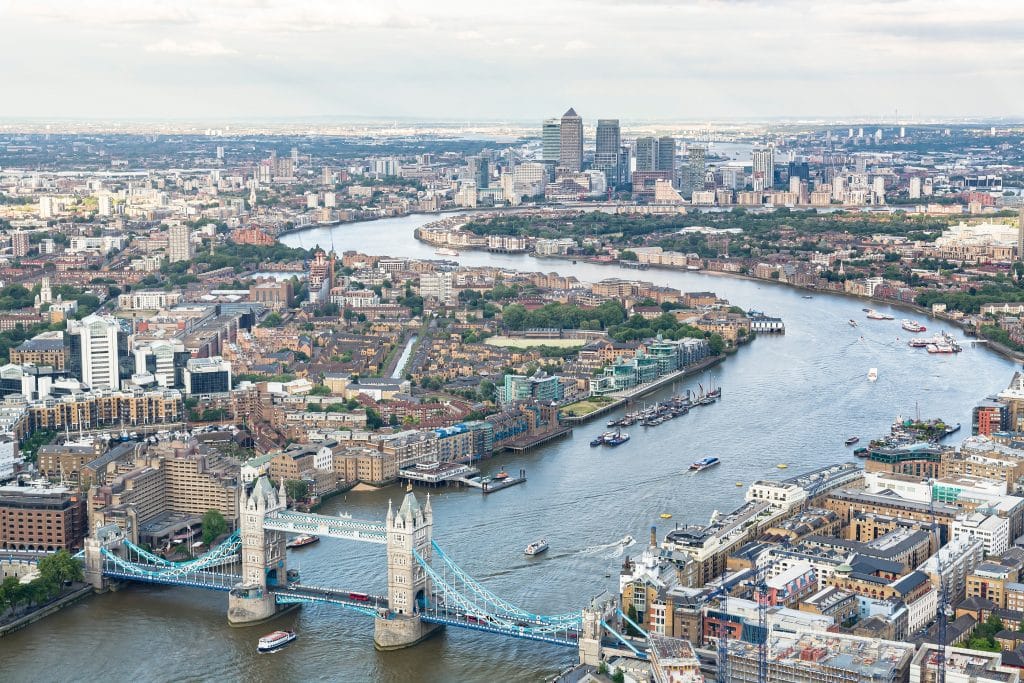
(551, 140)
(571, 149)
(608, 148)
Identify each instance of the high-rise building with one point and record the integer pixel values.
(179, 243)
(207, 376)
(763, 167)
(625, 164)
(104, 205)
(220, 152)
(667, 155)
(163, 359)
(551, 140)
(606, 151)
(694, 176)
(915, 187)
(19, 243)
(98, 353)
(327, 177)
(570, 152)
(1020, 235)
(479, 170)
(646, 152)
(529, 180)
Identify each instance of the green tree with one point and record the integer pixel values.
(296, 489)
(716, 344)
(214, 526)
(59, 568)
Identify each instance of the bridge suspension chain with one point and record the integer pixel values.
(501, 604)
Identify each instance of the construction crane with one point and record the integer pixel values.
(761, 595)
(723, 632)
(941, 612)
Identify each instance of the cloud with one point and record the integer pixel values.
(100, 13)
(576, 46)
(191, 48)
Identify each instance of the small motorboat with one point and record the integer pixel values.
(852, 440)
(782, 466)
(536, 548)
(665, 515)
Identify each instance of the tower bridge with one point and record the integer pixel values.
(426, 589)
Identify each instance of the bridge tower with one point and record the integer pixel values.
(110, 537)
(263, 555)
(409, 588)
(590, 634)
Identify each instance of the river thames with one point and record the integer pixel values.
(788, 399)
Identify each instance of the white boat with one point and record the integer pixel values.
(536, 548)
(275, 641)
(875, 315)
(445, 251)
(853, 323)
(872, 374)
(913, 326)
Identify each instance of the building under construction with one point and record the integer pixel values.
(822, 658)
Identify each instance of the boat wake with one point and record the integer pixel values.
(610, 550)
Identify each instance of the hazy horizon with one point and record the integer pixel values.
(454, 60)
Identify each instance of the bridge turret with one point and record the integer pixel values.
(409, 588)
(263, 555)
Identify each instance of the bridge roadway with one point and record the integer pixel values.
(297, 592)
(216, 581)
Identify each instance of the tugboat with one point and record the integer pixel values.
(536, 548)
(275, 641)
(301, 540)
(617, 439)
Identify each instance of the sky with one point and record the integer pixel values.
(458, 60)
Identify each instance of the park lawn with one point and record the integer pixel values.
(586, 406)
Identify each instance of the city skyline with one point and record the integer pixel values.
(241, 59)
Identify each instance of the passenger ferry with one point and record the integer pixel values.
(912, 326)
(704, 463)
(445, 251)
(301, 540)
(875, 315)
(275, 641)
(536, 548)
